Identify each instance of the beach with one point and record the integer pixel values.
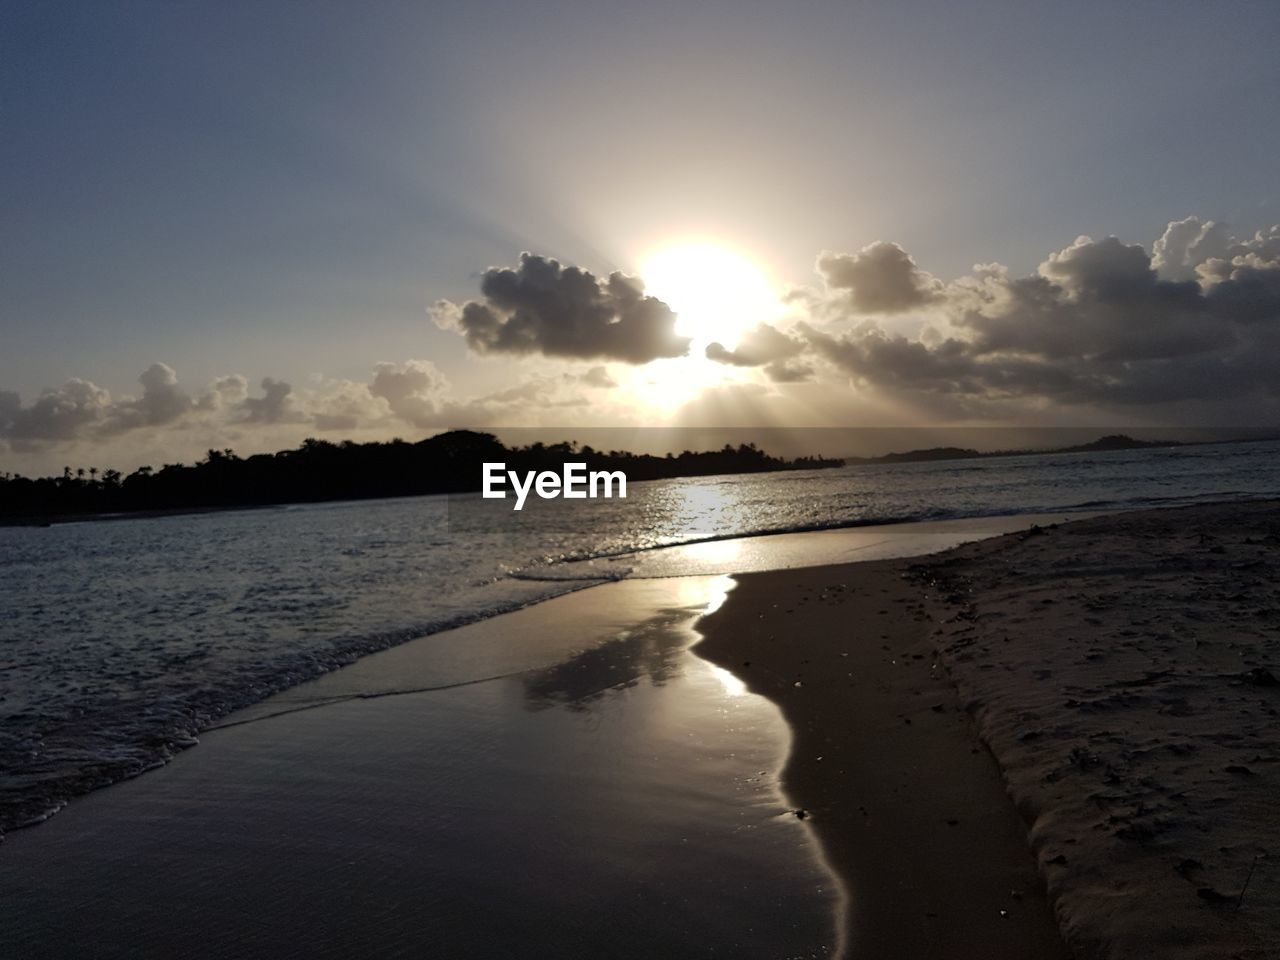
(1120, 671)
(603, 482)
(1057, 742)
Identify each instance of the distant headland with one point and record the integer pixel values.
(1114, 441)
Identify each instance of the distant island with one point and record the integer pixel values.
(1115, 441)
(319, 470)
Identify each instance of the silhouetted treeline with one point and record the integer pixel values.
(320, 470)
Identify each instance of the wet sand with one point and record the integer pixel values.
(909, 807)
(563, 781)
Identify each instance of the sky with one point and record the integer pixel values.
(242, 224)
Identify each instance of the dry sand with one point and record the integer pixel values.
(1121, 671)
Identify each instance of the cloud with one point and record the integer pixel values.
(1191, 329)
(1245, 284)
(274, 406)
(347, 405)
(1096, 299)
(413, 389)
(598, 377)
(880, 278)
(10, 408)
(873, 356)
(1096, 324)
(162, 402)
(765, 346)
(1185, 244)
(80, 409)
(757, 346)
(59, 413)
(543, 308)
(411, 392)
(229, 391)
(789, 371)
(532, 394)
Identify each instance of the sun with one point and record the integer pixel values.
(717, 293)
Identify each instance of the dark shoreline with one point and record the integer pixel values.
(65, 518)
(885, 765)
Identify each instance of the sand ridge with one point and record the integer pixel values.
(1123, 671)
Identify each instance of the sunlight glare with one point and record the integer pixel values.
(720, 588)
(717, 293)
(733, 687)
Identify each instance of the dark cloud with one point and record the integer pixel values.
(789, 371)
(1102, 270)
(1100, 300)
(765, 346)
(1096, 325)
(1245, 288)
(759, 345)
(542, 307)
(10, 408)
(873, 356)
(880, 278)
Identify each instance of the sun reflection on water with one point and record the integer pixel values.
(733, 687)
(718, 589)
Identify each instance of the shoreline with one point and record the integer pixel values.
(26, 810)
(911, 812)
(1121, 672)
(594, 789)
(1143, 829)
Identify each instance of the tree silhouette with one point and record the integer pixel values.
(322, 470)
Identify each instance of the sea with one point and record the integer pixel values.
(122, 640)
